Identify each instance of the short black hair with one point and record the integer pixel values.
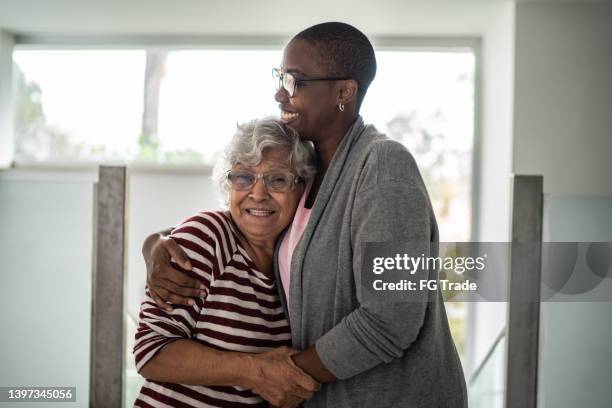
(344, 51)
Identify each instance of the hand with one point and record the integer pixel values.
(166, 284)
(278, 380)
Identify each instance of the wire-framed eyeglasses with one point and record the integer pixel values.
(278, 182)
(288, 82)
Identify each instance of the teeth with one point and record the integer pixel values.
(260, 213)
(288, 115)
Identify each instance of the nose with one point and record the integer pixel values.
(258, 191)
(281, 96)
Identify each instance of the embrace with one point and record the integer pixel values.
(260, 304)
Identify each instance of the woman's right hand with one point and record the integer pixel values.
(166, 284)
(275, 377)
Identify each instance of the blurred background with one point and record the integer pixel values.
(478, 90)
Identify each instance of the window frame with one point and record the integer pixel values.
(471, 44)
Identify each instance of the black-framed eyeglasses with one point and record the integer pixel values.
(278, 182)
(288, 82)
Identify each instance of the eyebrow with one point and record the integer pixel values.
(294, 71)
(271, 168)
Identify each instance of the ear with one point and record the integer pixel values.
(347, 91)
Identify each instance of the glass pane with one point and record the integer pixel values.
(486, 388)
(575, 349)
(78, 105)
(118, 105)
(425, 100)
(205, 93)
(45, 295)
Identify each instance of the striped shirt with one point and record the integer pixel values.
(240, 312)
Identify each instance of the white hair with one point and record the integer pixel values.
(253, 138)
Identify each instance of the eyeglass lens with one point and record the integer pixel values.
(242, 180)
(283, 80)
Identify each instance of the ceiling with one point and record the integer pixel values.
(239, 17)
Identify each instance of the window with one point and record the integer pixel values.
(136, 106)
(77, 105)
(425, 100)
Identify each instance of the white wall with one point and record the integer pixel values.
(486, 320)
(563, 130)
(242, 17)
(497, 116)
(6, 94)
(563, 96)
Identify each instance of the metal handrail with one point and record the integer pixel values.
(487, 357)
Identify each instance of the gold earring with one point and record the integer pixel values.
(341, 107)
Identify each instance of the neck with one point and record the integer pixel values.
(326, 143)
(328, 140)
(262, 246)
(261, 252)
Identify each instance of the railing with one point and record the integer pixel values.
(508, 375)
(486, 386)
(46, 246)
(62, 251)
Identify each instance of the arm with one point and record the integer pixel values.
(386, 209)
(310, 362)
(166, 284)
(165, 352)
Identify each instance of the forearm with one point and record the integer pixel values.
(310, 362)
(152, 239)
(189, 362)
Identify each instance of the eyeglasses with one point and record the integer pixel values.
(242, 180)
(286, 81)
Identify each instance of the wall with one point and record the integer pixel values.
(563, 95)
(6, 94)
(487, 319)
(242, 17)
(563, 130)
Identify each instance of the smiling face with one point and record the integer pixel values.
(262, 215)
(314, 104)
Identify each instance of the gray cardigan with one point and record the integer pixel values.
(384, 354)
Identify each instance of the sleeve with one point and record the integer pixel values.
(158, 327)
(392, 207)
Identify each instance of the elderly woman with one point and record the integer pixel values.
(216, 352)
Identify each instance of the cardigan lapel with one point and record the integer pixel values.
(323, 196)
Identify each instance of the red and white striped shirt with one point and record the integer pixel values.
(241, 312)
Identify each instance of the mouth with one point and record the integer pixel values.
(260, 212)
(288, 117)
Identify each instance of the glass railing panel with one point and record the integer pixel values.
(46, 243)
(486, 387)
(575, 333)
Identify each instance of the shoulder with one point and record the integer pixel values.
(387, 161)
(205, 227)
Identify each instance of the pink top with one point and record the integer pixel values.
(291, 239)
